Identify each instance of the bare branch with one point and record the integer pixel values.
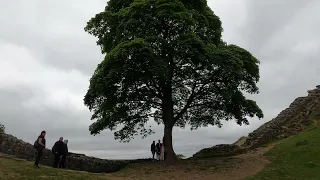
(189, 101)
(193, 94)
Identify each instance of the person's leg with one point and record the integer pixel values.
(62, 162)
(56, 159)
(38, 157)
(36, 162)
(153, 155)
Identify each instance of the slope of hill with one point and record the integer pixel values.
(297, 157)
(289, 122)
(16, 169)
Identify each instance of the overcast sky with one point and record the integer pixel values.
(46, 60)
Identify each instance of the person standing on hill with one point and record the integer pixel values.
(64, 154)
(57, 151)
(39, 145)
(153, 149)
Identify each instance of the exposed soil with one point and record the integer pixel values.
(315, 122)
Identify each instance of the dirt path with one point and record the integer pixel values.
(253, 163)
(233, 168)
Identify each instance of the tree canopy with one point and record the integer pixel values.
(165, 60)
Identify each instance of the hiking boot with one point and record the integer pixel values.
(36, 166)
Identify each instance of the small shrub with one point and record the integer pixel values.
(302, 143)
(311, 165)
(2, 128)
(181, 156)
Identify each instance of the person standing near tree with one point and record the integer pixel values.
(153, 149)
(162, 151)
(39, 145)
(158, 148)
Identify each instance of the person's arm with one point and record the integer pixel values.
(40, 142)
(54, 148)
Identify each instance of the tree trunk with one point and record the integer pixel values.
(168, 119)
(168, 126)
(170, 155)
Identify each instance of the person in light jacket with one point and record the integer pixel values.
(162, 151)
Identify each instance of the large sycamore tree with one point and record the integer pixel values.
(165, 60)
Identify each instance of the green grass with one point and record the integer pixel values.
(296, 157)
(15, 169)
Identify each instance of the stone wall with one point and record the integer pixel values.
(221, 150)
(289, 122)
(12, 146)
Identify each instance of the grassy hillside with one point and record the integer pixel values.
(297, 157)
(15, 169)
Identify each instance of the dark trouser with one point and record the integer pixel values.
(165, 155)
(63, 162)
(39, 155)
(56, 160)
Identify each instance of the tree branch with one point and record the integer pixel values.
(189, 101)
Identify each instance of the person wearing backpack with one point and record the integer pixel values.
(39, 145)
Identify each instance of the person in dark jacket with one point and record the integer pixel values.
(57, 151)
(64, 154)
(153, 149)
(40, 144)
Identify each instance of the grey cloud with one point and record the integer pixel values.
(265, 18)
(54, 31)
(273, 31)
